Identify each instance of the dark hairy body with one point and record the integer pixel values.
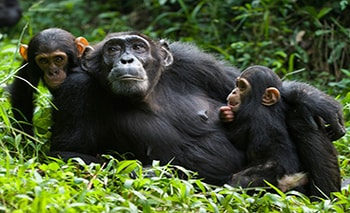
(176, 122)
(50, 56)
(146, 100)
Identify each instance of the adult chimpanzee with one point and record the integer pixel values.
(10, 13)
(141, 99)
(259, 128)
(314, 143)
(51, 55)
(152, 101)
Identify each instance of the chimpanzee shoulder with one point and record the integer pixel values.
(202, 70)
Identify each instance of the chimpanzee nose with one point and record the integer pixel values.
(53, 71)
(126, 60)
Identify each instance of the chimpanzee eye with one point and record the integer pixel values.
(43, 61)
(241, 85)
(58, 59)
(139, 48)
(113, 50)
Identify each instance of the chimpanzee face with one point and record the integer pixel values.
(53, 65)
(52, 54)
(255, 86)
(238, 94)
(128, 64)
(126, 58)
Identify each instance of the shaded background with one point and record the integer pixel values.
(305, 40)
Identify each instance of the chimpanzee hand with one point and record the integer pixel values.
(315, 107)
(226, 114)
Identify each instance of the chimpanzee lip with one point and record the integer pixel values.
(233, 104)
(130, 78)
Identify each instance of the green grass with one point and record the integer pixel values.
(55, 186)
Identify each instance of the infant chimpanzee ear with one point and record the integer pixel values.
(271, 96)
(23, 50)
(81, 44)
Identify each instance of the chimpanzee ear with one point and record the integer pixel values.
(271, 96)
(167, 56)
(81, 44)
(23, 50)
(85, 54)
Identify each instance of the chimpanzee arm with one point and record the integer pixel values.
(309, 112)
(317, 108)
(73, 132)
(21, 92)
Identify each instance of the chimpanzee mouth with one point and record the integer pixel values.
(233, 104)
(130, 78)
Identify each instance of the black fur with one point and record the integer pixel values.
(167, 125)
(261, 131)
(313, 125)
(10, 13)
(29, 75)
(176, 120)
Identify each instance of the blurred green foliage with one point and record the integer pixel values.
(286, 35)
